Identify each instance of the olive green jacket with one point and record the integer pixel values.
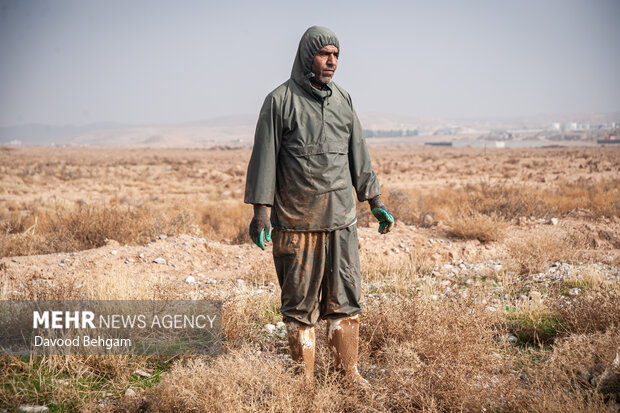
(309, 151)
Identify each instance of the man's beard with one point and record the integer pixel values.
(324, 79)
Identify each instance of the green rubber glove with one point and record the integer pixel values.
(260, 227)
(383, 214)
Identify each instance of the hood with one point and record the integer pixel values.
(311, 42)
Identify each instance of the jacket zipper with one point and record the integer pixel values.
(323, 118)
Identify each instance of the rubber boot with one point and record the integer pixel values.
(301, 340)
(343, 342)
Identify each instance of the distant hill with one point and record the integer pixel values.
(229, 129)
(239, 129)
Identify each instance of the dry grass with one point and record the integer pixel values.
(592, 277)
(242, 381)
(65, 228)
(570, 358)
(531, 253)
(484, 228)
(588, 313)
(419, 357)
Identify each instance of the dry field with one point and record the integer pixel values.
(498, 289)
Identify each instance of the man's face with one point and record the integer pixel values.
(324, 65)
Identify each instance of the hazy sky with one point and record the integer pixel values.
(176, 61)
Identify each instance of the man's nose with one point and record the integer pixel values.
(332, 59)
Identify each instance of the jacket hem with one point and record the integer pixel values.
(316, 230)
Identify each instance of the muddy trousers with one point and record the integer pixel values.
(319, 274)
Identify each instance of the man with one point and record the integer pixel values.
(308, 154)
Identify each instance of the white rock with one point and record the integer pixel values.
(159, 260)
(554, 221)
(130, 392)
(190, 280)
(141, 255)
(280, 324)
(33, 409)
(142, 373)
(270, 328)
(113, 252)
(574, 291)
(163, 236)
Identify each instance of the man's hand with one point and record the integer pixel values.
(260, 227)
(380, 211)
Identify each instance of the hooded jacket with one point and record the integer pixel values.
(309, 151)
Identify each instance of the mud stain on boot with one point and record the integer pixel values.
(301, 339)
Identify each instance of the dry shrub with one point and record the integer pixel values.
(558, 384)
(602, 198)
(243, 381)
(504, 199)
(382, 326)
(437, 359)
(589, 312)
(86, 226)
(400, 202)
(263, 271)
(592, 277)
(531, 253)
(228, 220)
(243, 317)
(400, 269)
(507, 200)
(14, 222)
(474, 225)
(403, 205)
